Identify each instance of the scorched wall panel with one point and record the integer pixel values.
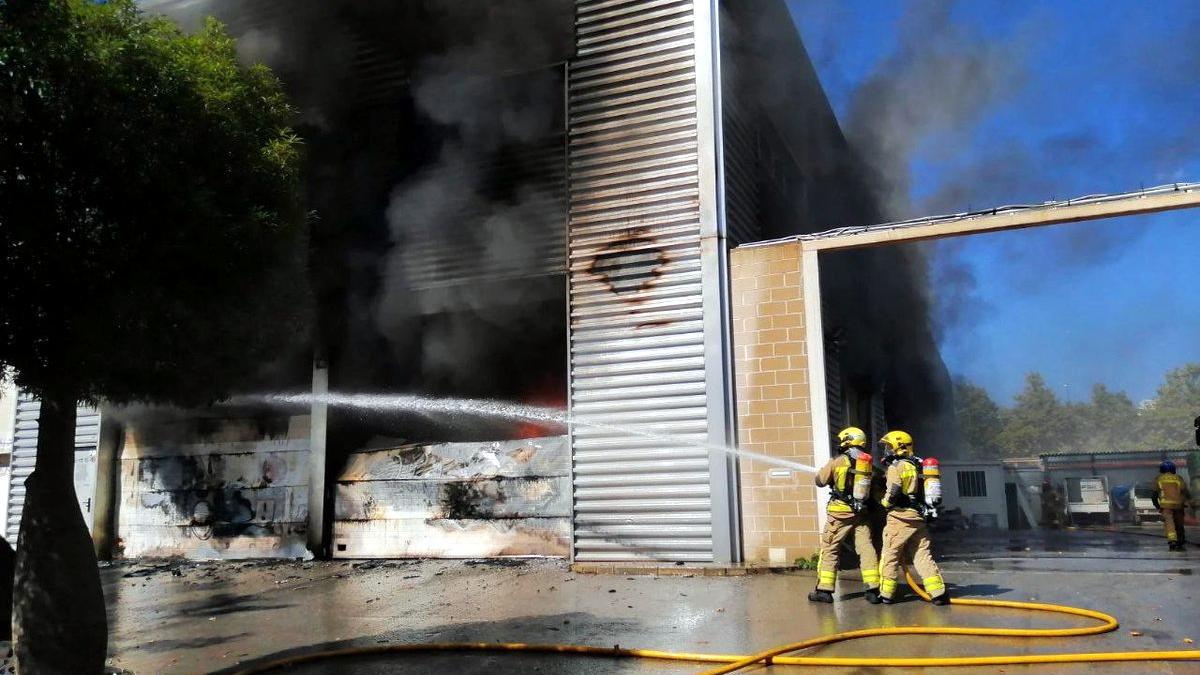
(231, 494)
(455, 500)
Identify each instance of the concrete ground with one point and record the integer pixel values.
(172, 617)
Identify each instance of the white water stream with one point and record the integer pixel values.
(497, 410)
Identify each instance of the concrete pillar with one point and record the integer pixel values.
(108, 462)
(317, 542)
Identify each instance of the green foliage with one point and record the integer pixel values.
(1038, 422)
(979, 418)
(809, 563)
(150, 219)
(1168, 421)
(1109, 421)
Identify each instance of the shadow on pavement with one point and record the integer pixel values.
(193, 643)
(977, 591)
(553, 629)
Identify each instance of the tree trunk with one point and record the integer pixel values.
(59, 620)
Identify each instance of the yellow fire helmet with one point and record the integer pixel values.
(852, 437)
(897, 443)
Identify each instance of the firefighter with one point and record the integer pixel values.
(848, 477)
(1050, 505)
(1170, 496)
(905, 535)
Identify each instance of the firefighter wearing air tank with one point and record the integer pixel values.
(913, 495)
(1170, 496)
(848, 476)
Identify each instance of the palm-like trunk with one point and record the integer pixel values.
(59, 620)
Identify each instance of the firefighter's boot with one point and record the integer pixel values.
(943, 599)
(820, 596)
(872, 596)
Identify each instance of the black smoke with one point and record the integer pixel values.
(434, 135)
(879, 334)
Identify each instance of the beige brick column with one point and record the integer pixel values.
(779, 507)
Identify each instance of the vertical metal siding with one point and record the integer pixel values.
(24, 453)
(878, 418)
(637, 329)
(834, 392)
(743, 201)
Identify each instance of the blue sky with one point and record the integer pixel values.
(1018, 102)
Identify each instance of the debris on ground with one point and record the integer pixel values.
(496, 562)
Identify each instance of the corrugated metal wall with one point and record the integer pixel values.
(834, 386)
(87, 433)
(642, 336)
(533, 175)
(743, 165)
(878, 418)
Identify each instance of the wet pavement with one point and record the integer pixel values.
(174, 617)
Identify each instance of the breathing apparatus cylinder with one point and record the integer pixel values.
(931, 482)
(862, 477)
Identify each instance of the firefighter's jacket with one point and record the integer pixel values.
(837, 475)
(1170, 492)
(901, 493)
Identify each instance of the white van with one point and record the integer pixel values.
(1088, 501)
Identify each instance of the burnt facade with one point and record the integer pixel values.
(537, 202)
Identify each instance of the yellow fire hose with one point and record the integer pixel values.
(775, 655)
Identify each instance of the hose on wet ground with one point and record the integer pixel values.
(779, 655)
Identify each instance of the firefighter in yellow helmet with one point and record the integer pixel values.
(905, 535)
(1170, 496)
(848, 476)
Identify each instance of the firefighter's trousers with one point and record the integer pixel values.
(1173, 524)
(907, 539)
(838, 528)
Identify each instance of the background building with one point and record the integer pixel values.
(978, 490)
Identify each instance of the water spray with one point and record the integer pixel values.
(497, 410)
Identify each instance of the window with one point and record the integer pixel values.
(972, 484)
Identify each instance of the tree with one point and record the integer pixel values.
(1037, 423)
(1169, 419)
(151, 232)
(1109, 422)
(979, 418)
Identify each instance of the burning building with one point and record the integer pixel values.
(538, 202)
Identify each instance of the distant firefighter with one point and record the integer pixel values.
(1051, 505)
(1170, 496)
(848, 477)
(913, 494)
